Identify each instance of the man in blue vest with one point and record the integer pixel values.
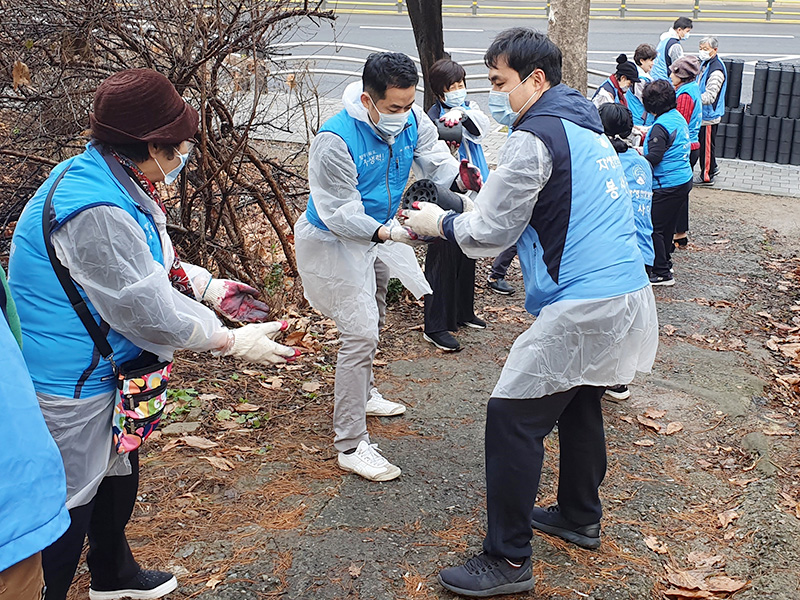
(669, 49)
(33, 489)
(713, 85)
(559, 192)
(347, 240)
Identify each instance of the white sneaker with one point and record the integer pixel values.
(378, 406)
(368, 462)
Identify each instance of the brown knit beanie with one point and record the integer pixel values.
(686, 67)
(141, 105)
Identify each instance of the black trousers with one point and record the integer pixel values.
(452, 278)
(682, 225)
(501, 263)
(103, 519)
(667, 206)
(708, 152)
(515, 432)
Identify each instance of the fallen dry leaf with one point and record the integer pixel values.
(311, 450)
(669, 329)
(247, 407)
(677, 593)
(379, 363)
(272, 382)
(649, 422)
(723, 583)
(195, 441)
(215, 581)
(294, 338)
(208, 397)
(674, 427)
(686, 579)
(655, 413)
(20, 74)
(644, 442)
(220, 463)
(727, 517)
(655, 545)
(354, 570)
(777, 430)
(311, 386)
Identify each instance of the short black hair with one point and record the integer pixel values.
(443, 74)
(526, 50)
(658, 97)
(139, 152)
(682, 23)
(643, 52)
(388, 69)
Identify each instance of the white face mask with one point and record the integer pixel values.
(169, 178)
(390, 124)
(500, 105)
(704, 55)
(686, 35)
(455, 98)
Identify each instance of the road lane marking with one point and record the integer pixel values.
(446, 29)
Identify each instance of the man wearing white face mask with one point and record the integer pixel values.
(713, 83)
(103, 220)
(669, 47)
(559, 192)
(346, 241)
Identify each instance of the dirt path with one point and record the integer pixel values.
(708, 502)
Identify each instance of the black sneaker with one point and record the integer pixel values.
(474, 322)
(618, 392)
(442, 340)
(484, 575)
(146, 585)
(501, 286)
(550, 521)
(665, 280)
(699, 181)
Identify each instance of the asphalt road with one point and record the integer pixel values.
(466, 38)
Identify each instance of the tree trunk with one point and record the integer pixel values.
(426, 20)
(569, 29)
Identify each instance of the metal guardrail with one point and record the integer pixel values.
(732, 11)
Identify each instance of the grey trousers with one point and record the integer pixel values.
(354, 378)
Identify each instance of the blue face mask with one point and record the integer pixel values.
(455, 98)
(500, 105)
(390, 124)
(169, 178)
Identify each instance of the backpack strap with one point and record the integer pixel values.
(62, 273)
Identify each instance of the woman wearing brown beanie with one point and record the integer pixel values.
(103, 220)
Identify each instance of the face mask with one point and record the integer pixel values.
(169, 178)
(686, 35)
(704, 55)
(455, 98)
(390, 124)
(500, 105)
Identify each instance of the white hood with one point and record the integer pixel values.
(351, 98)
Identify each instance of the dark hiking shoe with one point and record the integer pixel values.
(618, 392)
(474, 323)
(662, 280)
(698, 180)
(501, 286)
(484, 575)
(442, 340)
(549, 520)
(146, 585)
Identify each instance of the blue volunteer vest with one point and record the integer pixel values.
(716, 109)
(382, 169)
(60, 354)
(663, 62)
(584, 206)
(608, 86)
(693, 90)
(639, 175)
(640, 115)
(674, 168)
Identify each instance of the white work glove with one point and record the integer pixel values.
(398, 233)
(235, 300)
(452, 117)
(467, 205)
(253, 344)
(425, 219)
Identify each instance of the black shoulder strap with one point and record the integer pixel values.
(4, 302)
(75, 299)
